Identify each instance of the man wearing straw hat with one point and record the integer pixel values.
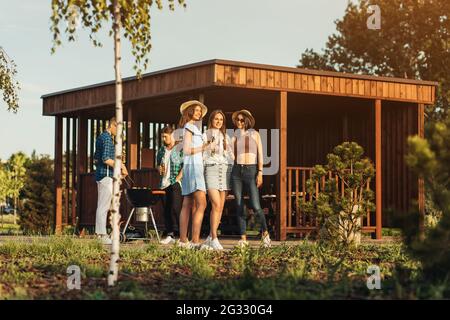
(104, 171)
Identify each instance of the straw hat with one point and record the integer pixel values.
(189, 103)
(247, 114)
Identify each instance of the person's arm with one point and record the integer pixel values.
(230, 148)
(259, 177)
(187, 141)
(179, 176)
(106, 158)
(109, 162)
(160, 156)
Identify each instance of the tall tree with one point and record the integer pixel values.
(413, 42)
(8, 84)
(16, 171)
(38, 196)
(4, 191)
(132, 20)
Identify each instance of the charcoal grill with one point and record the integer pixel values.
(142, 200)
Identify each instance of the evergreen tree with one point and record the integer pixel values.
(431, 160)
(38, 196)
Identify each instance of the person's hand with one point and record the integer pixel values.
(213, 145)
(259, 179)
(124, 171)
(205, 145)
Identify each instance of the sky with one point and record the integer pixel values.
(260, 31)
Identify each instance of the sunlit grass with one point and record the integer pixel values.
(37, 269)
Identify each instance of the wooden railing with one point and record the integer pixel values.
(298, 221)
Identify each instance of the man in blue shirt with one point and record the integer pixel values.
(104, 162)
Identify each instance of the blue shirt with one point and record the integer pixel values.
(104, 150)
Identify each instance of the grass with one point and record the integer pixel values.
(37, 270)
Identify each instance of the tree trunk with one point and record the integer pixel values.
(15, 210)
(115, 213)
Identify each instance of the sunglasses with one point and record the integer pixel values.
(240, 120)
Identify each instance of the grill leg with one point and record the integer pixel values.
(128, 221)
(154, 224)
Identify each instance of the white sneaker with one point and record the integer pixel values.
(266, 242)
(242, 243)
(105, 239)
(207, 244)
(215, 244)
(196, 246)
(186, 245)
(167, 240)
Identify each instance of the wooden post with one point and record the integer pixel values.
(74, 174)
(58, 173)
(67, 174)
(139, 143)
(91, 144)
(132, 139)
(421, 183)
(82, 144)
(378, 169)
(281, 124)
(146, 135)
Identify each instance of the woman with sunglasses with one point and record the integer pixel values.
(248, 172)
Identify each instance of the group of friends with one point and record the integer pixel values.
(191, 166)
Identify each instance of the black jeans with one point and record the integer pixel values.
(241, 176)
(172, 206)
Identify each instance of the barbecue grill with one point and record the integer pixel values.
(142, 200)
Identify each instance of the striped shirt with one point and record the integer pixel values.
(104, 150)
(176, 162)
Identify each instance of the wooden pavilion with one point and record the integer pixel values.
(313, 110)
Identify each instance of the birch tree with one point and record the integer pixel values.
(123, 18)
(8, 84)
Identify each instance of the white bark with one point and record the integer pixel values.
(115, 248)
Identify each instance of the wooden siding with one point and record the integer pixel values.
(400, 185)
(150, 86)
(318, 129)
(340, 84)
(223, 73)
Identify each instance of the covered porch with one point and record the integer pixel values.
(313, 111)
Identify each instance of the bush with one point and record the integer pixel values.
(38, 197)
(339, 210)
(430, 159)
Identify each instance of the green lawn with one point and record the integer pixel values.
(37, 270)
